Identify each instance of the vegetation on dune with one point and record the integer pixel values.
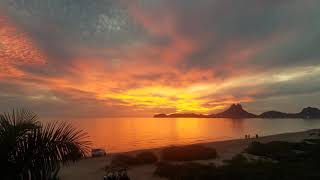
(288, 161)
(188, 153)
(183, 171)
(31, 150)
(277, 150)
(183, 153)
(147, 157)
(238, 168)
(140, 159)
(123, 160)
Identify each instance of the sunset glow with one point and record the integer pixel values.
(138, 58)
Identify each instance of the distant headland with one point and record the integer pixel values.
(235, 111)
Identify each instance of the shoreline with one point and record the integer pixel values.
(276, 136)
(93, 168)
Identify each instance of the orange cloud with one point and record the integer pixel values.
(141, 77)
(16, 49)
(145, 76)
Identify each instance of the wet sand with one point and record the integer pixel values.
(93, 168)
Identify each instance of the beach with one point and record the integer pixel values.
(94, 168)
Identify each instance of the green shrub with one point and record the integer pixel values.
(124, 160)
(188, 153)
(294, 161)
(238, 159)
(276, 150)
(140, 159)
(147, 157)
(187, 171)
(232, 171)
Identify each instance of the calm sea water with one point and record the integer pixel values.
(126, 134)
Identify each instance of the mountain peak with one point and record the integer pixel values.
(236, 107)
(235, 111)
(310, 109)
(310, 112)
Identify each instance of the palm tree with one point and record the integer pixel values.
(31, 150)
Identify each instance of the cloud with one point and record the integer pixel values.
(16, 49)
(113, 58)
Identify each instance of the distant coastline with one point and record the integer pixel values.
(236, 111)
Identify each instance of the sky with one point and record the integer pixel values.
(111, 58)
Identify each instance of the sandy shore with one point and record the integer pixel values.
(93, 168)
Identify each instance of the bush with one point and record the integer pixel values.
(187, 171)
(147, 157)
(188, 153)
(276, 150)
(140, 159)
(231, 171)
(295, 161)
(124, 160)
(238, 159)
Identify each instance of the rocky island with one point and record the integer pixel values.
(236, 111)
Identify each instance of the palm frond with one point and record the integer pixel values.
(36, 151)
(18, 121)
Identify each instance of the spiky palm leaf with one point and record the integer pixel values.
(13, 127)
(37, 151)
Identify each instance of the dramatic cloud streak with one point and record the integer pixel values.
(16, 49)
(135, 58)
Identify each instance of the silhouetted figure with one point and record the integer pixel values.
(257, 136)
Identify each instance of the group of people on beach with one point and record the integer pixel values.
(117, 175)
(247, 136)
